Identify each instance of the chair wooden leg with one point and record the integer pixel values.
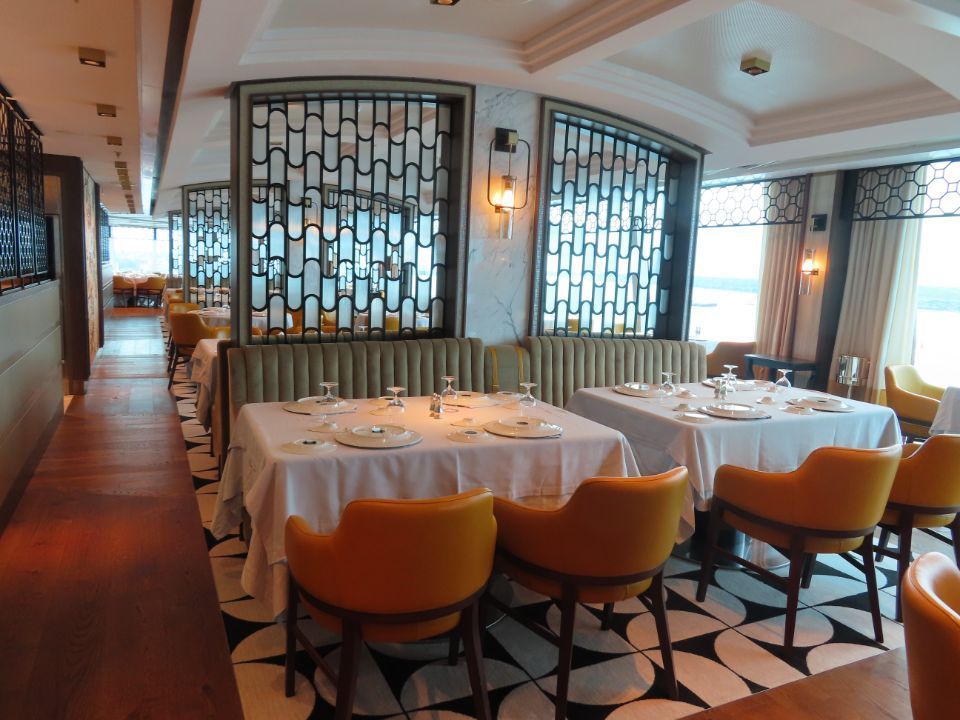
(713, 532)
(453, 649)
(870, 570)
(882, 543)
(349, 671)
(291, 623)
(955, 536)
(470, 631)
(793, 590)
(173, 369)
(568, 612)
(663, 634)
(808, 564)
(607, 617)
(904, 552)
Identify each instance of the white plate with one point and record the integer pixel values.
(308, 446)
(642, 390)
(470, 436)
(506, 395)
(742, 385)
(470, 399)
(469, 422)
(313, 406)
(799, 410)
(694, 417)
(684, 393)
(734, 411)
(823, 403)
(378, 437)
(523, 427)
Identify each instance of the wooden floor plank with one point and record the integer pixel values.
(107, 604)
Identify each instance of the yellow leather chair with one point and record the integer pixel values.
(830, 504)
(931, 625)
(151, 291)
(609, 542)
(393, 571)
(925, 494)
(729, 353)
(914, 401)
(123, 287)
(186, 330)
(173, 307)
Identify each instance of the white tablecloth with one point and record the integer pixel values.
(274, 485)
(780, 444)
(220, 317)
(947, 419)
(203, 371)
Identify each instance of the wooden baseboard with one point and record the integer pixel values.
(10, 502)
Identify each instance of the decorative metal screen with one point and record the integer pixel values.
(764, 202)
(915, 190)
(175, 229)
(24, 247)
(610, 200)
(104, 235)
(351, 213)
(206, 257)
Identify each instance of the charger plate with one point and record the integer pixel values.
(469, 399)
(634, 389)
(308, 446)
(470, 436)
(523, 427)
(734, 411)
(822, 403)
(378, 437)
(313, 406)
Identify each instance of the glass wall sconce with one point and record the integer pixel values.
(507, 196)
(808, 271)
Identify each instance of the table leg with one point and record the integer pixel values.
(748, 369)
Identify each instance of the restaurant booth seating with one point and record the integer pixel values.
(931, 625)
(393, 571)
(925, 494)
(913, 400)
(830, 504)
(608, 543)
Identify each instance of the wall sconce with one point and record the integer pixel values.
(505, 199)
(808, 271)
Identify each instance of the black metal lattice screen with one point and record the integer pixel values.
(175, 230)
(206, 243)
(764, 202)
(24, 246)
(104, 235)
(350, 214)
(915, 190)
(610, 228)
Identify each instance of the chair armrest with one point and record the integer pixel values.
(769, 495)
(912, 406)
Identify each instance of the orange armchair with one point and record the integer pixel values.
(925, 494)
(830, 504)
(931, 624)
(393, 571)
(729, 353)
(609, 542)
(914, 401)
(186, 330)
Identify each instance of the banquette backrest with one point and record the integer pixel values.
(363, 368)
(562, 365)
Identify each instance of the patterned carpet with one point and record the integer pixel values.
(726, 648)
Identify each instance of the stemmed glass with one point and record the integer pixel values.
(394, 405)
(783, 382)
(527, 401)
(667, 388)
(448, 396)
(730, 372)
(327, 401)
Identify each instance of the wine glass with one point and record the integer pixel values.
(730, 372)
(527, 401)
(448, 396)
(394, 404)
(783, 382)
(326, 402)
(667, 388)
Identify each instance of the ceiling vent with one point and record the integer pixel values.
(755, 65)
(92, 57)
(114, 140)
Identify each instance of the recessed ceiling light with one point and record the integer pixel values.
(444, 2)
(106, 110)
(92, 57)
(755, 65)
(114, 140)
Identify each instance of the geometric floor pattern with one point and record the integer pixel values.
(724, 649)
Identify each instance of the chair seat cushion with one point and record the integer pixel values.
(781, 539)
(892, 518)
(552, 588)
(389, 632)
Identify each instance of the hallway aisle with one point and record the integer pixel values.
(107, 604)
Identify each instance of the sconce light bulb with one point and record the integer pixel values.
(507, 197)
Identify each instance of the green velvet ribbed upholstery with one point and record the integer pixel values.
(505, 367)
(272, 373)
(562, 365)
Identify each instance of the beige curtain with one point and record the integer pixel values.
(878, 314)
(779, 288)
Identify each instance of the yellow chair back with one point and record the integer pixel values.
(910, 397)
(183, 307)
(930, 477)
(397, 556)
(729, 353)
(187, 329)
(931, 624)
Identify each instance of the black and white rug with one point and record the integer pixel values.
(725, 648)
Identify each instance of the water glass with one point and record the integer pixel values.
(448, 396)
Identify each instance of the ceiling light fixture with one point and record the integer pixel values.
(114, 140)
(754, 65)
(93, 57)
(444, 2)
(106, 110)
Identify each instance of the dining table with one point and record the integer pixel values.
(203, 372)
(269, 473)
(947, 419)
(219, 316)
(663, 437)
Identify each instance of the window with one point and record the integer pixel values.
(937, 345)
(616, 227)
(138, 249)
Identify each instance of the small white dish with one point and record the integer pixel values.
(694, 417)
(684, 408)
(470, 436)
(767, 400)
(684, 393)
(308, 446)
(799, 410)
(325, 427)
